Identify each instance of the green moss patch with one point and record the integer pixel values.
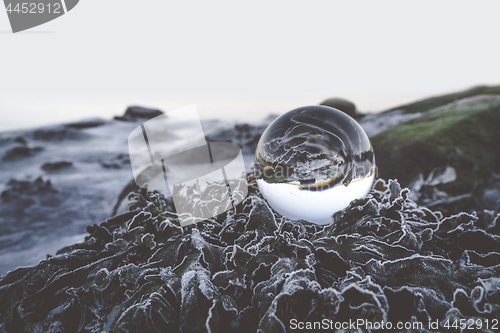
(464, 135)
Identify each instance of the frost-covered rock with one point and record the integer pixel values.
(250, 269)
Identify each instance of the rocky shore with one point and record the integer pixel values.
(384, 259)
(424, 251)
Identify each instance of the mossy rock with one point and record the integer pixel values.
(463, 134)
(434, 102)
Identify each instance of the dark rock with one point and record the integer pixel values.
(138, 113)
(17, 188)
(58, 133)
(261, 216)
(21, 140)
(9, 140)
(87, 123)
(20, 152)
(56, 166)
(115, 162)
(342, 105)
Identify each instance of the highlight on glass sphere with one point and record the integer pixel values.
(312, 162)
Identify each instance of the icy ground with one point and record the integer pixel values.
(385, 259)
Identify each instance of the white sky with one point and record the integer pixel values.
(243, 60)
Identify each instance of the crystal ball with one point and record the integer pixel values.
(312, 162)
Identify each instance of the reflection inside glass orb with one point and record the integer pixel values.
(312, 162)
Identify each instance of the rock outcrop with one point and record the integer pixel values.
(138, 113)
(383, 259)
(342, 105)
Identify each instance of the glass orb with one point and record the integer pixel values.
(312, 162)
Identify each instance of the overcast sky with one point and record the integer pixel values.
(243, 60)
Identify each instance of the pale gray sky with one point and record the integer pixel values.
(243, 60)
